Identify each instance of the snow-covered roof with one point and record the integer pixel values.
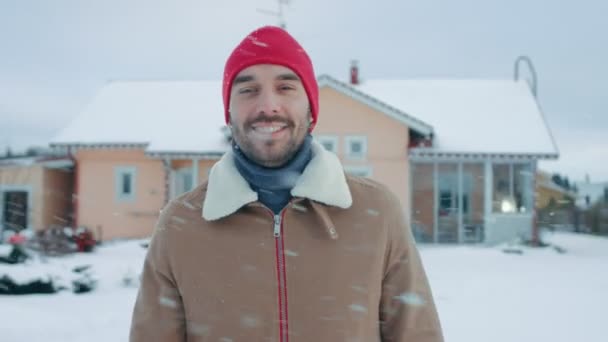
(163, 116)
(471, 116)
(50, 162)
(465, 116)
(595, 191)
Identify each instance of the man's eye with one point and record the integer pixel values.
(286, 87)
(246, 90)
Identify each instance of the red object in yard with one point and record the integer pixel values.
(85, 241)
(16, 239)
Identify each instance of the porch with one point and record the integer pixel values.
(488, 199)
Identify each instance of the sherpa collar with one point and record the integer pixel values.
(322, 181)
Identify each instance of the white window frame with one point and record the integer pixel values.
(347, 146)
(333, 139)
(119, 171)
(30, 202)
(359, 170)
(177, 177)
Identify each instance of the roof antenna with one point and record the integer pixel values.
(279, 14)
(528, 61)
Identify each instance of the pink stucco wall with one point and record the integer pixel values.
(57, 197)
(30, 179)
(49, 193)
(98, 206)
(387, 139)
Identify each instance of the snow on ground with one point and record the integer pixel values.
(485, 295)
(102, 315)
(482, 294)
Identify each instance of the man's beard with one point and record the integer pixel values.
(246, 138)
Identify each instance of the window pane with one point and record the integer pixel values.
(522, 187)
(126, 184)
(355, 147)
(187, 181)
(448, 212)
(502, 199)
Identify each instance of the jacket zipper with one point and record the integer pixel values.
(282, 278)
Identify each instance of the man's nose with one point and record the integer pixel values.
(268, 102)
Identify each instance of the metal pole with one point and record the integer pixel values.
(528, 61)
(279, 14)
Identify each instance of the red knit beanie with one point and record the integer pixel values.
(272, 45)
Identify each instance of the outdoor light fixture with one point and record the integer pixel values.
(507, 206)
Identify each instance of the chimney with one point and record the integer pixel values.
(354, 72)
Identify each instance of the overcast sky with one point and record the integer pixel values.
(55, 55)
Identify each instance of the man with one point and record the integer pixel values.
(280, 245)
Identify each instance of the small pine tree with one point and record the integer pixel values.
(557, 179)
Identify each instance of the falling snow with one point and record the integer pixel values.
(358, 308)
(168, 302)
(411, 299)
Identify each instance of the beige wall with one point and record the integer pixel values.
(57, 197)
(98, 207)
(203, 169)
(30, 178)
(387, 139)
(178, 164)
(50, 189)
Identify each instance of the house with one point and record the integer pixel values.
(555, 205)
(460, 154)
(549, 193)
(136, 146)
(35, 193)
(590, 193)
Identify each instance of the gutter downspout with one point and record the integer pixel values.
(167, 168)
(75, 191)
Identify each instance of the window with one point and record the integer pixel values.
(522, 187)
(512, 189)
(330, 142)
(182, 181)
(360, 171)
(356, 147)
(125, 183)
(447, 182)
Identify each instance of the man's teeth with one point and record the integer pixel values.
(268, 129)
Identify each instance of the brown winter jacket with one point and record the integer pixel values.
(338, 264)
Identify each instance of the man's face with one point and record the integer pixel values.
(269, 113)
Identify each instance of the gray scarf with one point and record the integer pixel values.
(274, 185)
